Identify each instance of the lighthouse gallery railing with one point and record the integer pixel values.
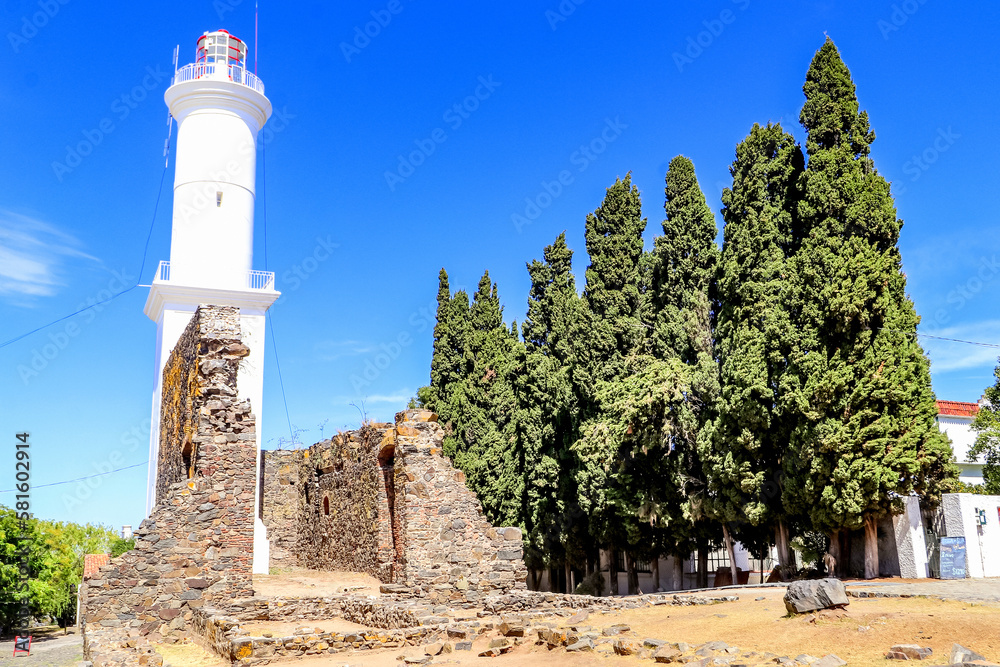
(236, 74)
(255, 280)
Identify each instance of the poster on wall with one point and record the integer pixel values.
(953, 558)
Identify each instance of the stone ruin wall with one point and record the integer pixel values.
(320, 504)
(398, 510)
(196, 547)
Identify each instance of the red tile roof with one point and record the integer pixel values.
(92, 564)
(958, 408)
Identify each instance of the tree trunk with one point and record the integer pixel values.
(632, 574)
(728, 539)
(613, 570)
(678, 573)
(702, 565)
(533, 579)
(834, 551)
(845, 551)
(871, 548)
(785, 559)
(654, 566)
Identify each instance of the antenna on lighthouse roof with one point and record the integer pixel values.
(256, 40)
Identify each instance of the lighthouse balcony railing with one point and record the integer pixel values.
(235, 73)
(255, 280)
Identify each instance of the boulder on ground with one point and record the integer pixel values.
(584, 644)
(829, 660)
(960, 654)
(815, 594)
(909, 652)
(666, 654)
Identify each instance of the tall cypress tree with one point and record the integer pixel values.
(865, 434)
(447, 393)
(679, 312)
(753, 329)
(485, 445)
(549, 412)
(638, 446)
(612, 293)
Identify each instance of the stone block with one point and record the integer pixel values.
(666, 654)
(829, 660)
(812, 595)
(909, 652)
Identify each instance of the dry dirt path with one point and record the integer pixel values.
(56, 651)
(980, 591)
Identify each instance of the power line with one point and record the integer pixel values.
(70, 481)
(142, 268)
(959, 340)
(270, 321)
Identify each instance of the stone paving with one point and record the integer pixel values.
(57, 651)
(979, 591)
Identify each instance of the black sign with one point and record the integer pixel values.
(22, 645)
(953, 558)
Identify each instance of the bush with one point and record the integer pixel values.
(592, 584)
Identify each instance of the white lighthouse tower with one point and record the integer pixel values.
(219, 107)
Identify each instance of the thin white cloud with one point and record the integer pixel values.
(401, 397)
(949, 356)
(32, 257)
(331, 350)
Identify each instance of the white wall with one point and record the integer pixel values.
(911, 542)
(962, 437)
(982, 543)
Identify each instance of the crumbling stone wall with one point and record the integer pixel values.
(196, 547)
(320, 503)
(398, 510)
(452, 551)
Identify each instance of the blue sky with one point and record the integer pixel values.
(593, 89)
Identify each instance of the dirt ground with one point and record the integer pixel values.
(861, 634)
(300, 583)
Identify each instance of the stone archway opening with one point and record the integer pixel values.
(389, 520)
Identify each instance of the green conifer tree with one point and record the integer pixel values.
(549, 413)
(486, 433)
(865, 434)
(679, 312)
(753, 328)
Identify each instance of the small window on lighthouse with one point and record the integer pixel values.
(218, 199)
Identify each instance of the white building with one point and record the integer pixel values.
(220, 108)
(955, 420)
